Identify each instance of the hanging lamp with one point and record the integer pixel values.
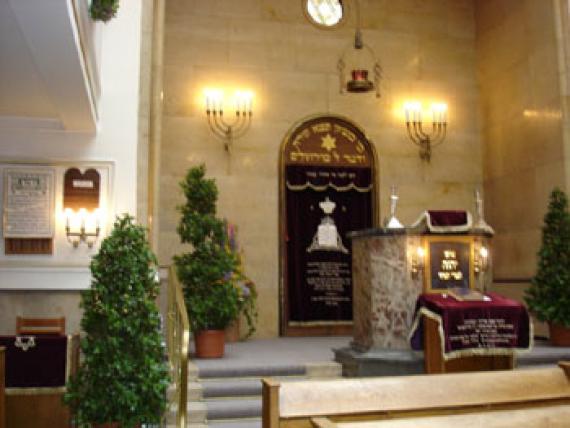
(357, 57)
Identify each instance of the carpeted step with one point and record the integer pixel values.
(543, 353)
(231, 388)
(233, 409)
(252, 371)
(246, 423)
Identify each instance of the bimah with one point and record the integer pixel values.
(392, 267)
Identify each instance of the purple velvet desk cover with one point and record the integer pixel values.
(43, 365)
(500, 324)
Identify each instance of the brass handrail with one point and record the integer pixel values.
(178, 331)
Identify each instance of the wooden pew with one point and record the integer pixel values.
(335, 403)
(536, 417)
(2, 399)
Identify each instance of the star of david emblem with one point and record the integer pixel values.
(329, 143)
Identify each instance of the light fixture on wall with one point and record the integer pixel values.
(82, 226)
(414, 126)
(418, 261)
(359, 56)
(81, 193)
(228, 132)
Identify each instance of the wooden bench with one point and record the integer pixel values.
(339, 403)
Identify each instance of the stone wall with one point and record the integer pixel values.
(427, 50)
(518, 50)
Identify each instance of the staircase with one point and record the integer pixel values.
(226, 393)
(230, 397)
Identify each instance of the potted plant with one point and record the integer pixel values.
(123, 377)
(549, 295)
(103, 10)
(206, 271)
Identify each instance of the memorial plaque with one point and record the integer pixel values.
(29, 203)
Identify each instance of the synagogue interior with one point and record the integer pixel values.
(268, 213)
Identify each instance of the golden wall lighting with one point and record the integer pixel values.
(415, 127)
(418, 261)
(239, 125)
(81, 195)
(82, 226)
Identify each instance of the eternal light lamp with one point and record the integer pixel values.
(414, 126)
(243, 106)
(359, 55)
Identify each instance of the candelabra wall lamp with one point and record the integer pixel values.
(81, 206)
(359, 57)
(228, 131)
(418, 261)
(82, 226)
(414, 126)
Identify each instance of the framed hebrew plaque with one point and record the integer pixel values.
(449, 263)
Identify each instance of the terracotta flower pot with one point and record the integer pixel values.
(559, 334)
(209, 343)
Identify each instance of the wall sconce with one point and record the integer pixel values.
(228, 132)
(481, 260)
(418, 261)
(414, 125)
(81, 192)
(82, 226)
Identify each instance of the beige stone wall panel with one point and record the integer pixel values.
(427, 51)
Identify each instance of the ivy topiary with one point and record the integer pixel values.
(103, 10)
(549, 295)
(124, 376)
(206, 270)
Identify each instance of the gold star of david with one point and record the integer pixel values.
(329, 143)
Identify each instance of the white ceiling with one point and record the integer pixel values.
(22, 91)
(42, 66)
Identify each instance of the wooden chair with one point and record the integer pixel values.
(36, 326)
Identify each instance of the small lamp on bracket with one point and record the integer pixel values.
(81, 206)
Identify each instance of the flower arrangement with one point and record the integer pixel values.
(247, 293)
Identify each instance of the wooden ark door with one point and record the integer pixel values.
(328, 188)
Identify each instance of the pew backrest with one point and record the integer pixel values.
(293, 404)
(35, 326)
